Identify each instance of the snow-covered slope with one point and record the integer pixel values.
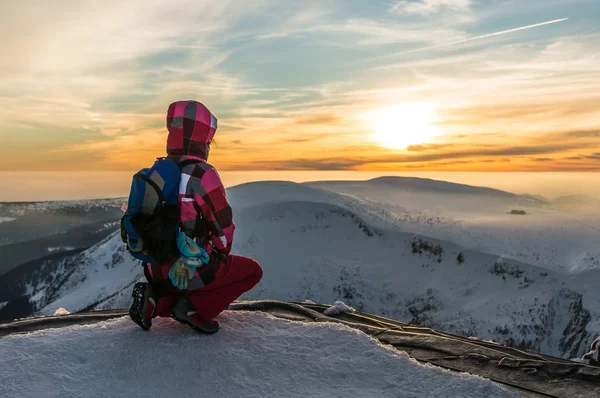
(91, 277)
(254, 355)
(479, 219)
(324, 246)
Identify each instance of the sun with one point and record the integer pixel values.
(402, 125)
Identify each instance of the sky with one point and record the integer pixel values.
(423, 85)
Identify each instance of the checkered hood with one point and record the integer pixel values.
(191, 126)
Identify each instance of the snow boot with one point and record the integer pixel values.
(144, 305)
(184, 312)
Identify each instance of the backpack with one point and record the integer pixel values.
(150, 224)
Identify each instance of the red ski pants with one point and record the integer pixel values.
(235, 276)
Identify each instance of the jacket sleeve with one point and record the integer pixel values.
(205, 198)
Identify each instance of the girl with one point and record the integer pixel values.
(206, 219)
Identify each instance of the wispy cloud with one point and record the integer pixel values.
(431, 6)
(366, 32)
(480, 37)
(444, 12)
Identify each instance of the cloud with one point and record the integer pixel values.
(306, 164)
(86, 34)
(475, 38)
(376, 33)
(363, 158)
(227, 127)
(121, 152)
(499, 151)
(368, 33)
(111, 132)
(297, 18)
(318, 119)
(428, 147)
(581, 134)
(299, 140)
(334, 24)
(554, 71)
(425, 7)
(78, 56)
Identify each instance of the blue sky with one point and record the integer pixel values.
(293, 82)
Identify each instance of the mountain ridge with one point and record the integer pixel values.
(321, 245)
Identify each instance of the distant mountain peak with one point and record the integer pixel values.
(418, 183)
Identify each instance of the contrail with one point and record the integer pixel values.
(477, 37)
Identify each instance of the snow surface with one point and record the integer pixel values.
(339, 307)
(254, 355)
(60, 248)
(580, 360)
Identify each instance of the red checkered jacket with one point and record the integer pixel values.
(205, 213)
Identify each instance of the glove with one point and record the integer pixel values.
(193, 255)
(180, 273)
